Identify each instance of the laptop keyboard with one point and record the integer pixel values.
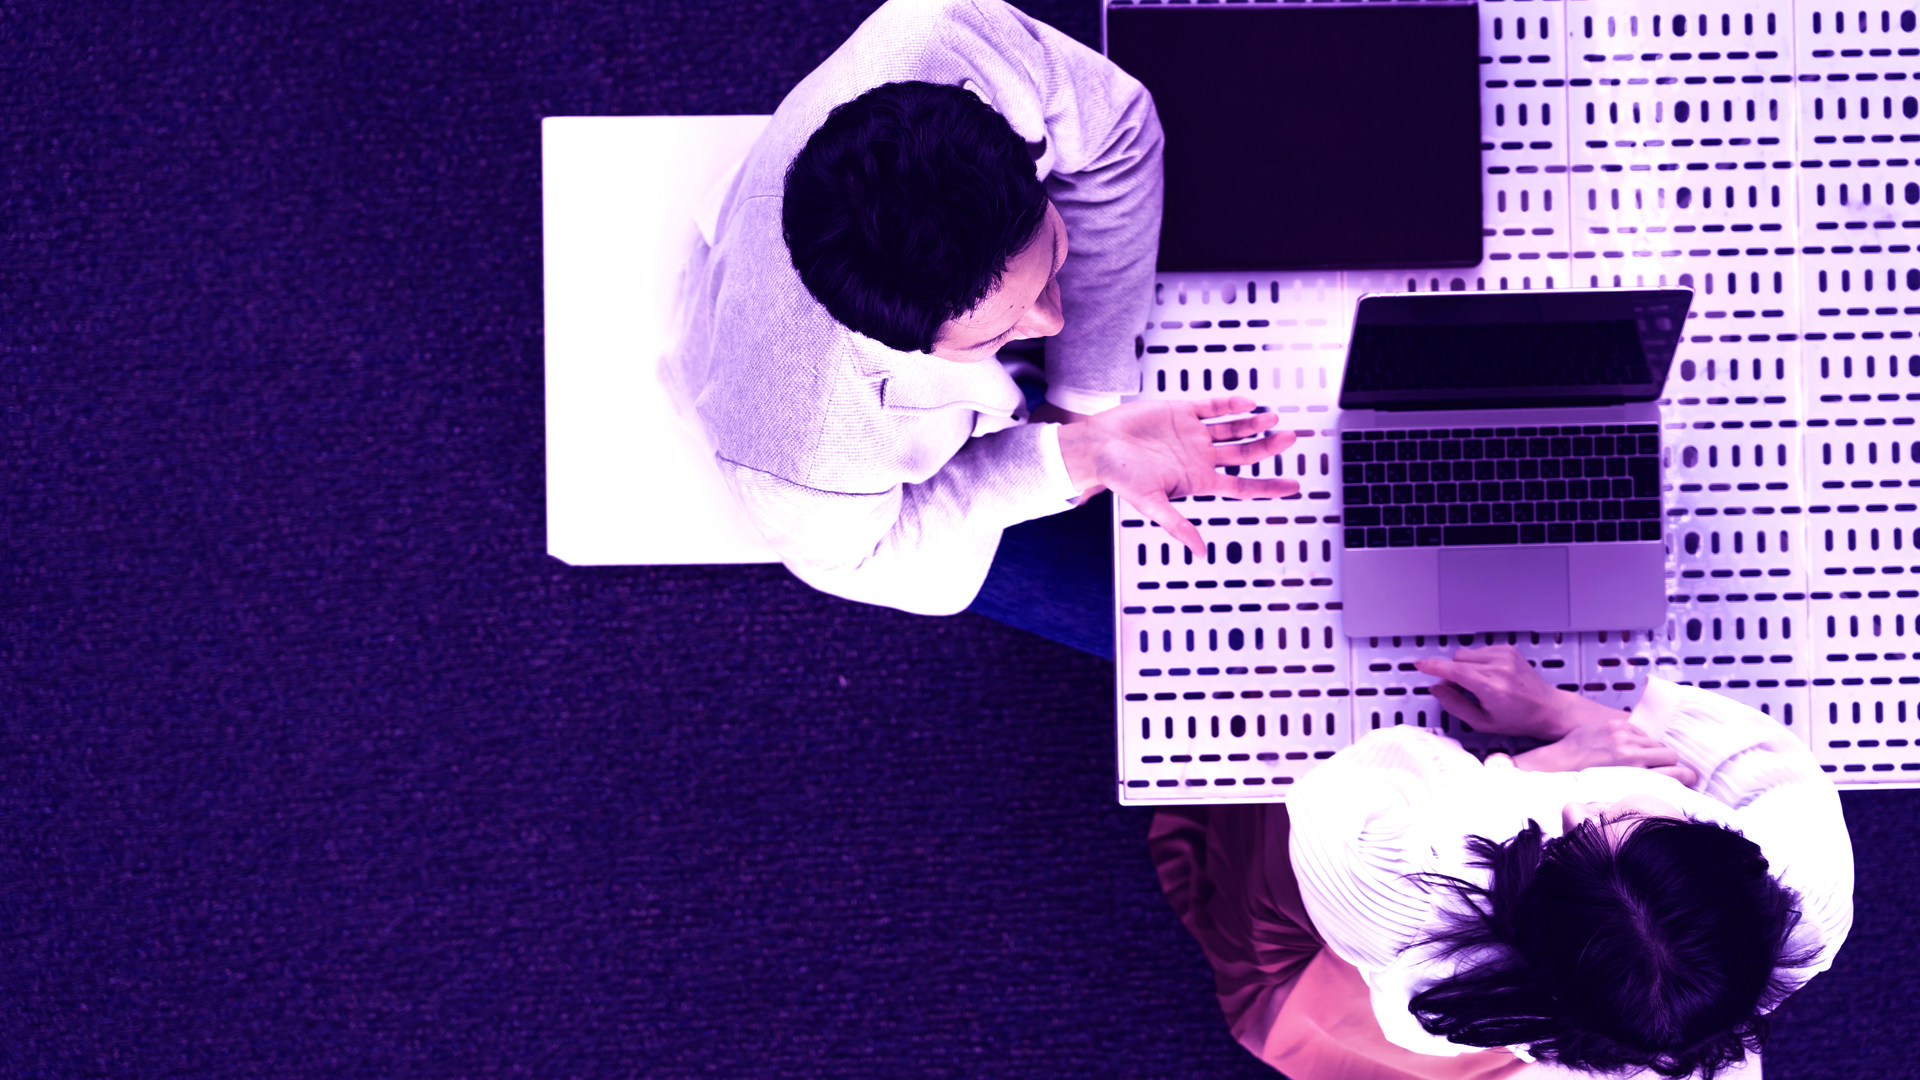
(1445, 487)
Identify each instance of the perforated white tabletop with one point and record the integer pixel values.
(1762, 154)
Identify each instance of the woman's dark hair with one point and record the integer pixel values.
(902, 210)
(1662, 954)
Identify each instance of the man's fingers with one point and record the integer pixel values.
(1266, 441)
(1221, 406)
(1249, 452)
(1183, 531)
(1242, 428)
(1162, 513)
(1242, 487)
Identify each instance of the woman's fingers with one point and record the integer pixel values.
(1656, 758)
(1456, 703)
(1681, 773)
(1461, 680)
(1496, 662)
(1439, 668)
(1648, 742)
(1481, 662)
(1492, 657)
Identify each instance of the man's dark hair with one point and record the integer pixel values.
(902, 210)
(1663, 954)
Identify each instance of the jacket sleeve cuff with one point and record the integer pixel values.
(1085, 402)
(1058, 482)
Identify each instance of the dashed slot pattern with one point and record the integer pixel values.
(1870, 379)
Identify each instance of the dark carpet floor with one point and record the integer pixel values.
(315, 765)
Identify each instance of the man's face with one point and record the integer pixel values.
(1026, 304)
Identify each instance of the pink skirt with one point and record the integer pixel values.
(1288, 999)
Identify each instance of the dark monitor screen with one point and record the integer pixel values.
(1480, 350)
(1323, 136)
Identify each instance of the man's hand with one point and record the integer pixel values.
(1615, 741)
(1495, 690)
(1149, 452)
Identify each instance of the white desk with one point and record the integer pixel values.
(1722, 159)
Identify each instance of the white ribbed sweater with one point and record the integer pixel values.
(1402, 800)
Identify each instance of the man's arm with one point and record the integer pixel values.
(920, 547)
(926, 547)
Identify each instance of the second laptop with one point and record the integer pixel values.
(1500, 459)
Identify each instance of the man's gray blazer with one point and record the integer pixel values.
(887, 476)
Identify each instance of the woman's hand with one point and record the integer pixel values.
(1495, 690)
(1615, 741)
(1149, 452)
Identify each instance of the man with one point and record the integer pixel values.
(955, 177)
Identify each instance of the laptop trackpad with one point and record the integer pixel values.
(1515, 588)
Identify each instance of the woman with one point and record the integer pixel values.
(1645, 916)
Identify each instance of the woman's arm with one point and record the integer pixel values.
(1616, 740)
(1496, 690)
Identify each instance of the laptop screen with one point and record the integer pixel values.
(1512, 350)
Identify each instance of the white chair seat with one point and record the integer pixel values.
(628, 482)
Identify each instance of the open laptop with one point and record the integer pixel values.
(1500, 460)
